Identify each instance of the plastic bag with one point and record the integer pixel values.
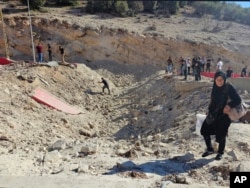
(237, 112)
(200, 119)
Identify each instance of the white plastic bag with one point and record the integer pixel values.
(200, 119)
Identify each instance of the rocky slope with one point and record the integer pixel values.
(144, 39)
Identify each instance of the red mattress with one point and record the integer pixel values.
(211, 74)
(4, 61)
(50, 100)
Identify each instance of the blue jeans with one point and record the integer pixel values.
(170, 68)
(40, 57)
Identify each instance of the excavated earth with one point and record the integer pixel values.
(143, 134)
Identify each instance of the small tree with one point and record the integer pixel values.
(34, 4)
(149, 6)
(66, 2)
(182, 4)
(94, 6)
(173, 6)
(121, 7)
(135, 6)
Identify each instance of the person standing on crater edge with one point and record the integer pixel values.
(208, 65)
(62, 52)
(39, 50)
(244, 72)
(170, 65)
(50, 52)
(229, 72)
(219, 65)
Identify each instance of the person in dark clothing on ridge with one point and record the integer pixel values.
(197, 71)
(50, 52)
(62, 52)
(229, 72)
(105, 85)
(208, 65)
(170, 65)
(244, 72)
(185, 69)
(217, 121)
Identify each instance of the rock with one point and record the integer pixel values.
(233, 155)
(85, 132)
(83, 168)
(166, 184)
(3, 150)
(120, 151)
(89, 148)
(57, 170)
(53, 156)
(244, 166)
(181, 179)
(58, 145)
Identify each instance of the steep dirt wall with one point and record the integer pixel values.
(90, 44)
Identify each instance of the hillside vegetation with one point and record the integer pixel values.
(220, 10)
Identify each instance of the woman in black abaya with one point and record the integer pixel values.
(217, 121)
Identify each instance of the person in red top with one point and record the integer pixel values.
(39, 50)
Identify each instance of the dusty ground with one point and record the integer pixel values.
(142, 135)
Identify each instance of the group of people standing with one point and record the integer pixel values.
(197, 65)
(229, 72)
(39, 50)
(40, 55)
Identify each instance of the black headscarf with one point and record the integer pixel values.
(218, 95)
(220, 73)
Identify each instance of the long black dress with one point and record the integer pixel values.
(219, 98)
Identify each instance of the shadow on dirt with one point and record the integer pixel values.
(89, 91)
(160, 167)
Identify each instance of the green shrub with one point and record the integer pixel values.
(66, 2)
(34, 4)
(121, 7)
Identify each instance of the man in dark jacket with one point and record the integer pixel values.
(105, 85)
(244, 72)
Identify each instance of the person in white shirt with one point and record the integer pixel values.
(219, 65)
(203, 62)
(188, 65)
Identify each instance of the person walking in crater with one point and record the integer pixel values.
(105, 85)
